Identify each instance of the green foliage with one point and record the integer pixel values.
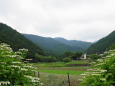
(45, 58)
(13, 71)
(67, 59)
(103, 72)
(94, 56)
(103, 44)
(76, 55)
(112, 47)
(81, 45)
(72, 55)
(18, 41)
(67, 54)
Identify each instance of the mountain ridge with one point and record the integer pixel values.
(52, 45)
(17, 41)
(103, 44)
(74, 43)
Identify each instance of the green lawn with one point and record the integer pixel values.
(71, 72)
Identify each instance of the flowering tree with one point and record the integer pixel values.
(103, 71)
(13, 71)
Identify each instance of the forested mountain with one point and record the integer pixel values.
(74, 43)
(103, 44)
(51, 45)
(18, 41)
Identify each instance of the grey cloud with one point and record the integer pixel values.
(71, 19)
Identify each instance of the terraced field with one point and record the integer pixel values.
(55, 74)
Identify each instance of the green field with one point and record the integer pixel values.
(71, 72)
(73, 67)
(61, 64)
(54, 74)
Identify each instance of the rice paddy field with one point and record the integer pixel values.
(56, 74)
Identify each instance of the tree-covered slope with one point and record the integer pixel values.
(51, 46)
(103, 44)
(18, 41)
(75, 43)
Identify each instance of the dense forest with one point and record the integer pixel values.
(103, 44)
(55, 47)
(18, 41)
(74, 43)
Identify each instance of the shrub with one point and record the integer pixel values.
(112, 46)
(94, 56)
(41, 58)
(76, 55)
(102, 73)
(67, 59)
(12, 70)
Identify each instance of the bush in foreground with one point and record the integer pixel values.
(13, 71)
(102, 73)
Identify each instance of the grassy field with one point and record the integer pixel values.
(61, 64)
(71, 72)
(73, 67)
(55, 74)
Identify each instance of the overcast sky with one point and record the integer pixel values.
(86, 20)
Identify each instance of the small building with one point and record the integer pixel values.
(84, 56)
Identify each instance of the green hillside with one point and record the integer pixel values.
(103, 44)
(75, 43)
(52, 46)
(18, 41)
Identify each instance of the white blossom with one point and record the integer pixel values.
(89, 69)
(24, 69)
(100, 60)
(41, 84)
(103, 70)
(16, 62)
(4, 82)
(28, 66)
(96, 74)
(83, 74)
(29, 59)
(14, 66)
(103, 79)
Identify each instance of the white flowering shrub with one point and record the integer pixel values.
(102, 73)
(13, 71)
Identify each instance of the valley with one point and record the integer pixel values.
(31, 60)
